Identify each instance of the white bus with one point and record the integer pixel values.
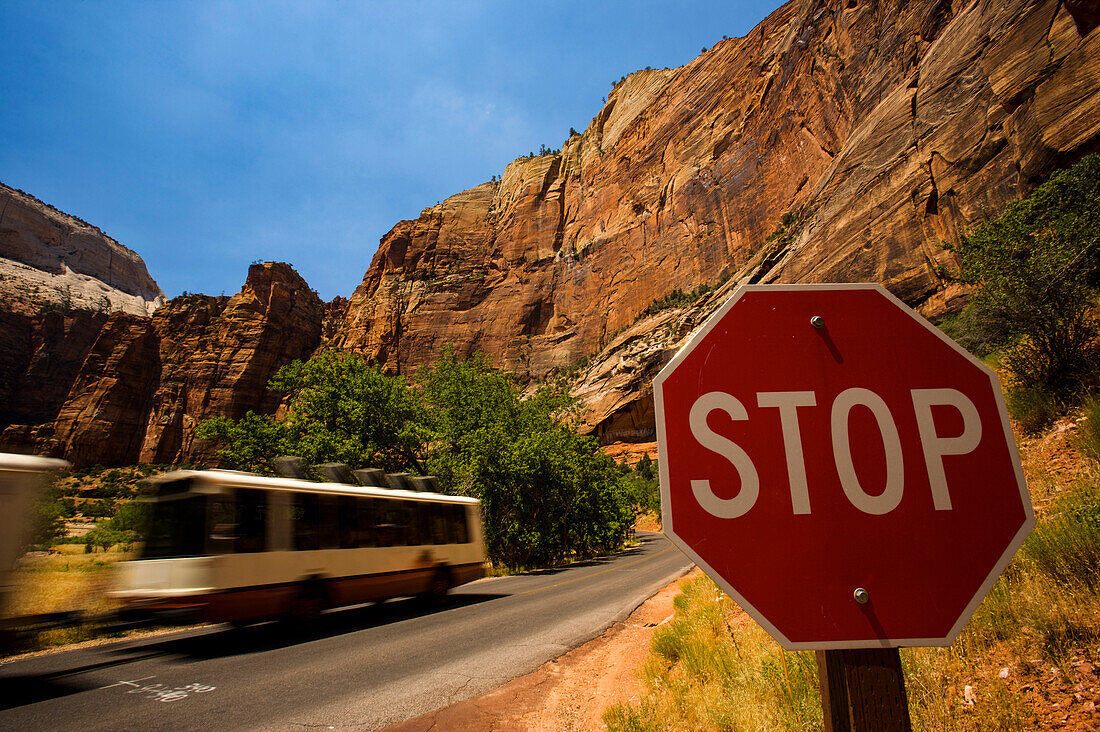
(237, 547)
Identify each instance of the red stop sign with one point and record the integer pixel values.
(841, 468)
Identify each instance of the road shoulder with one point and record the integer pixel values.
(569, 693)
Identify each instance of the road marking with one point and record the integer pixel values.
(161, 692)
(596, 574)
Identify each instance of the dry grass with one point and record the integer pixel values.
(67, 580)
(63, 581)
(712, 668)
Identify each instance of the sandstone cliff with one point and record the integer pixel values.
(837, 141)
(862, 133)
(124, 388)
(48, 257)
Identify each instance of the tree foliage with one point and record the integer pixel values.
(250, 443)
(47, 519)
(546, 491)
(340, 408)
(1035, 270)
(344, 409)
(642, 487)
(127, 526)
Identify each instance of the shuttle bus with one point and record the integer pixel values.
(224, 546)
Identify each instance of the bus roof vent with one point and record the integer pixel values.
(398, 481)
(426, 483)
(336, 473)
(374, 477)
(289, 466)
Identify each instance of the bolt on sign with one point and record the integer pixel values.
(839, 467)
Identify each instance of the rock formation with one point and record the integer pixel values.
(128, 388)
(840, 140)
(49, 258)
(861, 134)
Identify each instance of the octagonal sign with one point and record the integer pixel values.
(841, 468)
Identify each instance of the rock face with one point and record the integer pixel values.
(51, 258)
(863, 134)
(128, 388)
(217, 355)
(40, 357)
(840, 140)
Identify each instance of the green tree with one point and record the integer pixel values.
(1035, 270)
(546, 491)
(102, 537)
(47, 519)
(642, 486)
(130, 522)
(250, 443)
(344, 409)
(339, 409)
(127, 526)
(471, 407)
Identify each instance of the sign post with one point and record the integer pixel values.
(843, 470)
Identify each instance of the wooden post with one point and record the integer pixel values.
(863, 690)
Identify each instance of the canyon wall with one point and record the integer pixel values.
(863, 133)
(838, 141)
(123, 388)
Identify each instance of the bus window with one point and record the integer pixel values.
(368, 521)
(177, 527)
(223, 525)
(347, 520)
(437, 523)
(456, 525)
(418, 523)
(411, 519)
(306, 515)
(405, 517)
(329, 531)
(394, 522)
(251, 520)
(384, 529)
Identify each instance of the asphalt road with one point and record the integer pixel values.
(364, 668)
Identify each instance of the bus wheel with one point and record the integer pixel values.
(306, 607)
(438, 587)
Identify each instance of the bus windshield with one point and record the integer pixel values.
(177, 526)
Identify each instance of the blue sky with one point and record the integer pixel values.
(208, 135)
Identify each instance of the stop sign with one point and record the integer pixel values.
(841, 468)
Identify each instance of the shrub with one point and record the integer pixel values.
(700, 676)
(1035, 270)
(675, 299)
